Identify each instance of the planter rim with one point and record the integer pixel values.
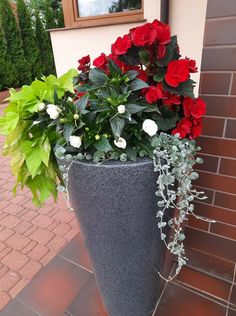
(115, 163)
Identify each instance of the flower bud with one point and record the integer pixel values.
(121, 109)
(97, 137)
(41, 106)
(150, 127)
(75, 141)
(53, 111)
(76, 116)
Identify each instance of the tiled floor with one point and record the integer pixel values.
(29, 237)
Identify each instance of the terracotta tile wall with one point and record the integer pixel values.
(218, 142)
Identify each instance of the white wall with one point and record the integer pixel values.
(187, 21)
(71, 44)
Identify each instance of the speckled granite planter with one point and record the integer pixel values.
(116, 206)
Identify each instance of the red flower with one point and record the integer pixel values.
(84, 63)
(192, 65)
(161, 51)
(121, 45)
(143, 35)
(154, 94)
(101, 61)
(183, 128)
(177, 72)
(170, 99)
(196, 129)
(163, 32)
(124, 67)
(194, 107)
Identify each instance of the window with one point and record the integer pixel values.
(86, 13)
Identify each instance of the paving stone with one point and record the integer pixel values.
(18, 287)
(42, 221)
(30, 269)
(57, 243)
(17, 241)
(8, 280)
(5, 234)
(38, 252)
(62, 229)
(15, 260)
(10, 221)
(42, 236)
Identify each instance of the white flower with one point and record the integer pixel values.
(121, 109)
(150, 127)
(75, 141)
(120, 143)
(41, 106)
(53, 111)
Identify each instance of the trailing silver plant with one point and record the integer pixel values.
(173, 159)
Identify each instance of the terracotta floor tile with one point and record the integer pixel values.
(178, 301)
(210, 265)
(88, 302)
(53, 289)
(76, 252)
(16, 308)
(211, 285)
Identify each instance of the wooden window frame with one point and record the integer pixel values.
(72, 19)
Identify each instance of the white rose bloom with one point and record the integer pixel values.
(150, 127)
(120, 143)
(53, 111)
(41, 106)
(121, 109)
(75, 141)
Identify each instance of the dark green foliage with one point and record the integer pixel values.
(14, 42)
(122, 5)
(8, 75)
(50, 21)
(30, 46)
(44, 45)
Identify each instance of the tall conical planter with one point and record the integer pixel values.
(116, 207)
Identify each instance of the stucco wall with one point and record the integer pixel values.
(70, 45)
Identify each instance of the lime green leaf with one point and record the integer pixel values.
(66, 80)
(17, 162)
(8, 122)
(44, 151)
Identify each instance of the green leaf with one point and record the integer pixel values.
(17, 162)
(32, 156)
(102, 144)
(134, 108)
(68, 130)
(168, 119)
(113, 68)
(66, 80)
(184, 89)
(82, 103)
(45, 150)
(8, 122)
(160, 75)
(117, 126)
(138, 84)
(131, 153)
(144, 56)
(97, 76)
(132, 74)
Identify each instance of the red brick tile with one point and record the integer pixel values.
(4, 299)
(217, 83)
(42, 221)
(194, 222)
(29, 247)
(224, 106)
(42, 236)
(216, 213)
(17, 241)
(217, 182)
(18, 287)
(38, 252)
(8, 280)
(213, 126)
(30, 269)
(88, 302)
(224, 230)
(231, 312)
(233, 296)
(207, 284)
(224, 200)
(23, 227)
(228, 167)
(48, 257)
(233, 89)
(5, 252)
(13, 209)
(72, 233)
(218, 147)
(76, 252)
(219, 32)
(52, 290)
(62, 229)
(211, 244)
(210, 265)
(179, 301)
(10, 221)
(217, 8)
(29, 215)
(15, 260)
(230, 131)
(219, 58)
(64, 216)
(5, 234)
(57, 243)
(210, 163)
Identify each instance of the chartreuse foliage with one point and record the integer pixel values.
(29, 136)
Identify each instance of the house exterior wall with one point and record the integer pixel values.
(218, 174)
(71, 44)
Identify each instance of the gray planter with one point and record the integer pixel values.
(116, 207)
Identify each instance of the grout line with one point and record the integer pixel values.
(220, 18)
(209, 228)
(76, 264)
(217, 156)
(230, 84)
(29, 307)
(217, 95)
(222, 175)
(218, 71)
(218, 137)
(218, 166)
(220, 117)
(224, 128)
(220, 46)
